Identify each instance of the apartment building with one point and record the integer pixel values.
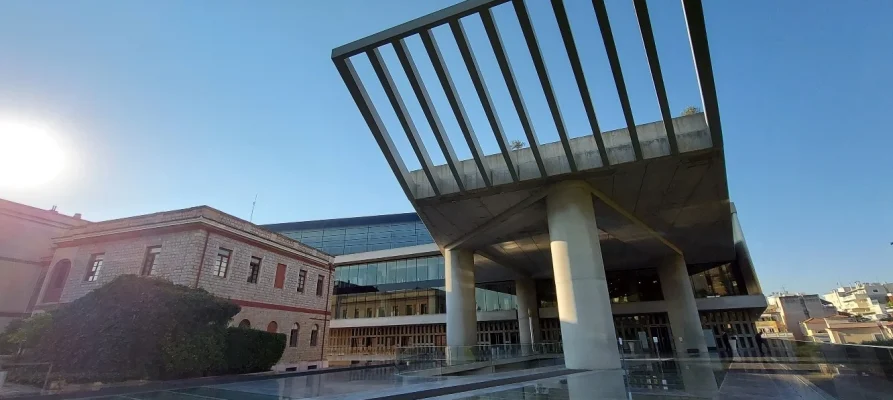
(793, 309)
(867, 300)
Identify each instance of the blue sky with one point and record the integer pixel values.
(170, 104)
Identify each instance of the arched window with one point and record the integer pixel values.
(57, 281)
(293, 335)
(245, 324)
(314, 335)
(273, 327)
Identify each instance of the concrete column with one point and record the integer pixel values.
(461, 312)
(584, 308)
(681, 307)
(528, 314)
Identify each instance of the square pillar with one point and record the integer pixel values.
(584, 307)
(682, 311)
(461, 311)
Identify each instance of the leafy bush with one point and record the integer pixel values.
(251, 350)
(6, 344)
(138, 328)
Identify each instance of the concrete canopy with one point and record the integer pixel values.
(658, 189)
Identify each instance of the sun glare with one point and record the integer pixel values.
(29, 155)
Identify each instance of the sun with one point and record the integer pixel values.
(30, 156)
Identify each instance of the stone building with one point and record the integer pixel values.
(281, 284)
(26, 235)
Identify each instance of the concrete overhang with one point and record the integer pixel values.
(658, 189)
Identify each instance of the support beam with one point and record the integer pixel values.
(373, 120)
(540, 66)
(632, 218)
(483, 94)
(567, 37)
(418, 25)
(697, 35)
(393, 95)
(499, 219)
(456, 104)
(460, 301)
(682, 311)
(421, 93)
(604, 25)
(657, 76)
(584, 306)
(511, 84)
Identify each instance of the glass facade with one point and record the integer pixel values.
(625, 286)
(718, 281)
(341, 240)
(413, 286)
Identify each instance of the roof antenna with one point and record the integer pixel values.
(253, 203)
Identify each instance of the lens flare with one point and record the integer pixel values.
(29, 155)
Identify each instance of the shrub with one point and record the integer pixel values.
(138, 328)
(7, 346)
(251, 350)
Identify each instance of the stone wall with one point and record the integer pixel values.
(180, 252)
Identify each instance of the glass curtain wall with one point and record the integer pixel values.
(358, 239)
(413, 286)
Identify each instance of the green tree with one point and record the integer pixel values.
(690, 110)
(516, 145)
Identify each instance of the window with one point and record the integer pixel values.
(409, 309)
(293, 335)
(311, 367)
(369, 313)
(356, 313)
(222, 262)
(320, 281)
(302, 280)
(314, 335)
(150, 261)
(95, 266)
(57, 282)
(344, 313)
(395, 311)
(280, 276)
(423, 309)
(272, 327)
(253, 269)
(245, 324)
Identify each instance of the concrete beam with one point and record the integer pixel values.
(656, 75)
(421, 92)
(567, 37)
(500, 219)
(540, 66)
(373, 120)
(393, 95)
(632, 218)
(511, 84)
(483, 94)
(604, 25)
(440, 69)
